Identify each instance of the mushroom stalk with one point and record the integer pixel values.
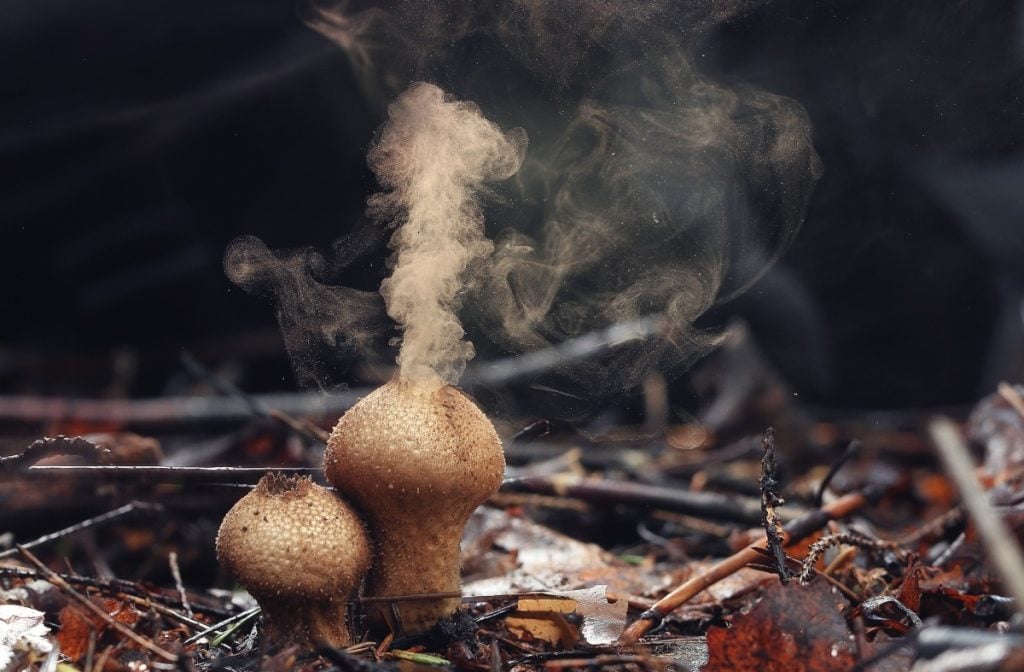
(417, 457)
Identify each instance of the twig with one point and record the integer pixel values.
(57, 445)
(162, 474)
(605, 661)
(506, 499)
(851, 450)
(849, 539)
(172, 560)
(217, 626)
(770, 501)
(532, 430)
(410, 598)
(56, 580)
(872, 607)
(90, 650)
(1003, 550)
(936, 526)
(229, 389)
(171, 410)
(793, 532)
(109, 586)
(162, 609)
(86, 524)
(504, 371)
(708, 504)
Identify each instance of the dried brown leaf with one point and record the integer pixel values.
(792, 629)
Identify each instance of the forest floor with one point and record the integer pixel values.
(760, 536)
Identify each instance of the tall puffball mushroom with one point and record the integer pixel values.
(301, 552)
(416, 455)
(417, 458)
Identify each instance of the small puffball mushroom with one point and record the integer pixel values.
(417, 459)
(300, 551)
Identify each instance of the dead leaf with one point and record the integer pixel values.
(76, 624)
(22, 632)
(548, 626)
(792, 629)
(602, 618)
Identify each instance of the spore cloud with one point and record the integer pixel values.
(433, 156)
(652, 187)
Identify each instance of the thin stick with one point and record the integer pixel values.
(933, 527)
(229, 389)
(408, 598)
(86, 524)
(792, 533)
(55, 579)
(172, 560)
(511, 369)
(1004, 552)
(163, 474)
(709, 504)
(90, 651)
(161, 609)
(117, 587)
(217, 626)
(172, 410)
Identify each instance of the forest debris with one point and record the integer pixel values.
(886, 610)
(770, 503)
(535, 362)
(110, 448)
(688, 654)
(855, 539)
(792, 629)
(601, 617)
(997, 425)
(604, 617)
(544, 619)
(77, 626)
(504, 554)
(22, 635)
(161, 474)
(120, 511)
(993, 656)
(794, 531)
(121, 587)
(56, 580)
(1003, 551)
(99, 451)
(56, 445)
(606, 491)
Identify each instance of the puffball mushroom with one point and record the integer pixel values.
(416, 458)
(301, 551)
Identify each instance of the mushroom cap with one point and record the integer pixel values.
(292, 539)
(415, 450)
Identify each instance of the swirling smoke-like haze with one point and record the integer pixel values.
(649, 187)
(432, 155)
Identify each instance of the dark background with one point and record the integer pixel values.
(138, 139)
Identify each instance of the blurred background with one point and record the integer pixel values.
(137, 140)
